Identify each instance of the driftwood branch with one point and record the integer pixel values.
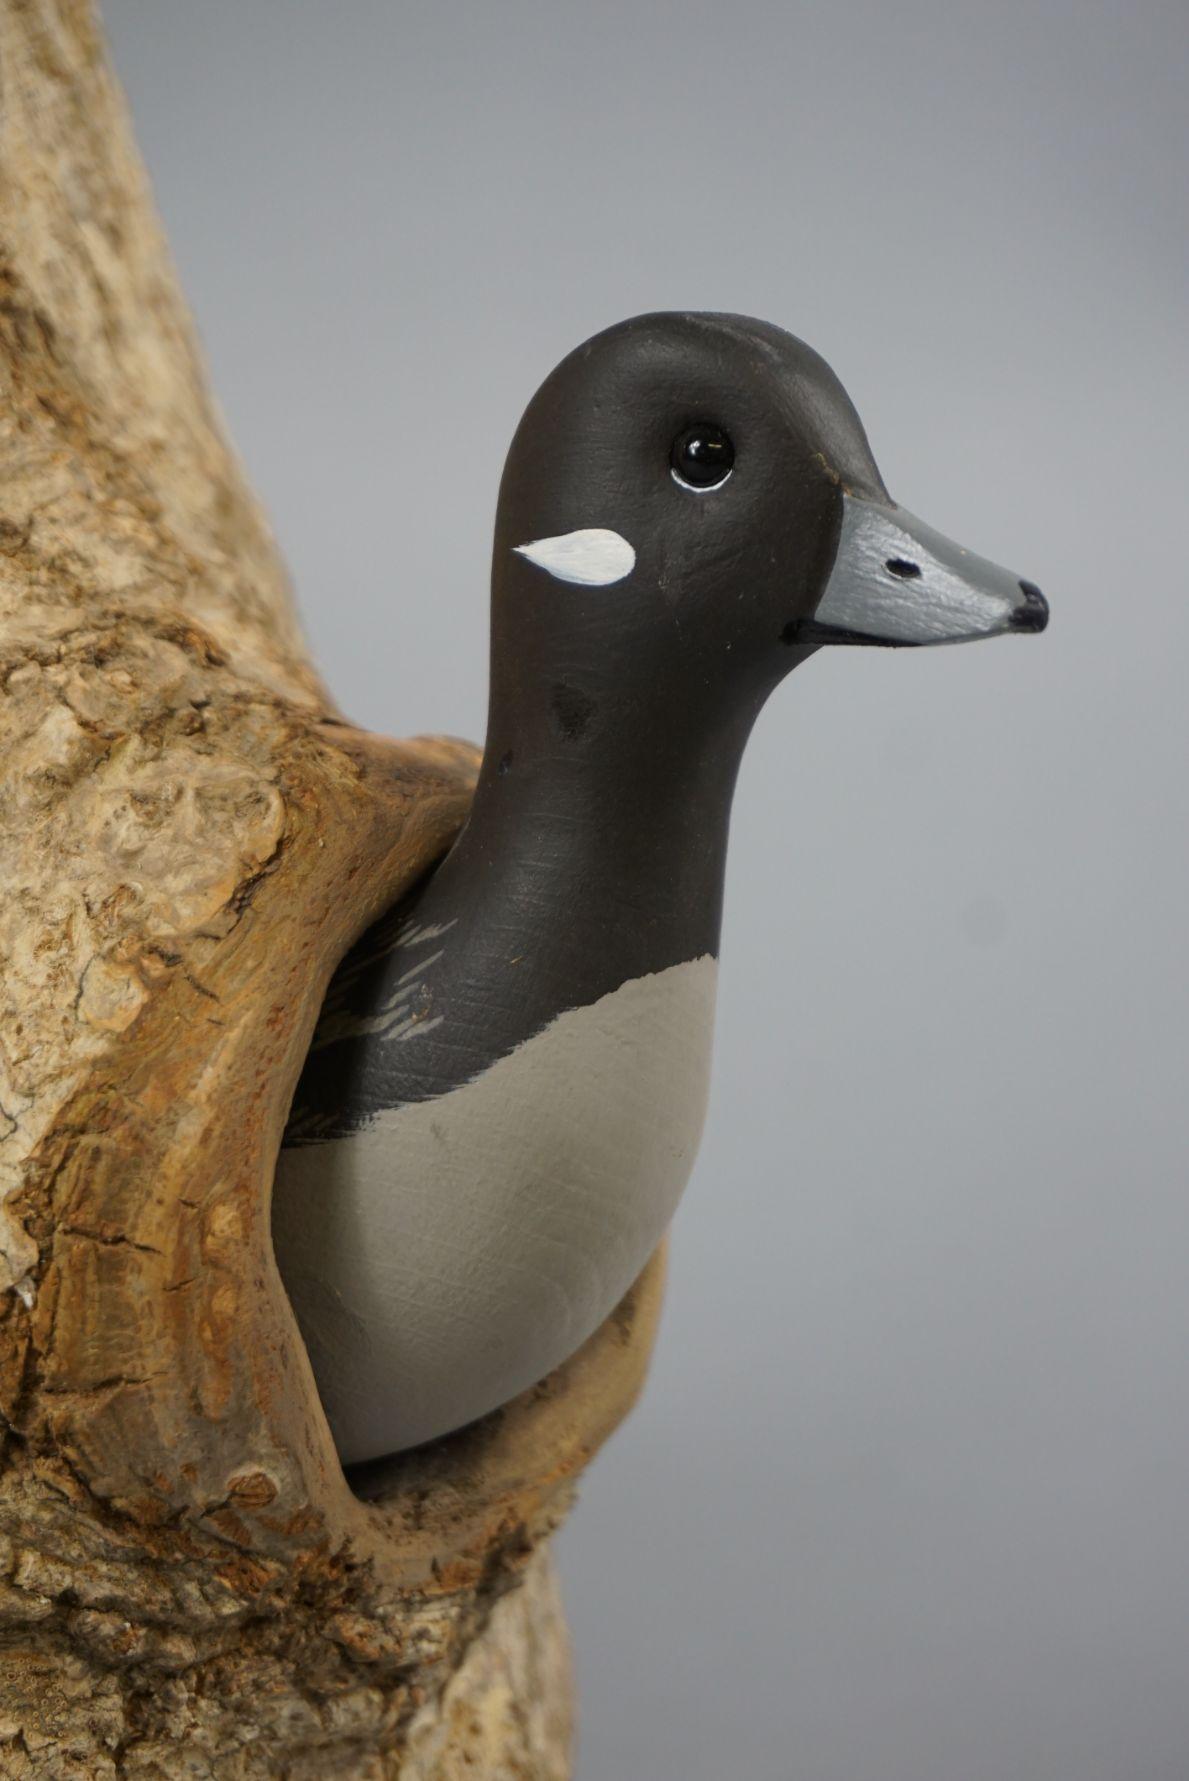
(192, 837)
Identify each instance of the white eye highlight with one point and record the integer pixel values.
(698, 488)
(592, 557)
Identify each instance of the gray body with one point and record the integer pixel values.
(461, 1247)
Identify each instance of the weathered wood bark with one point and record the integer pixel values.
(192, 836)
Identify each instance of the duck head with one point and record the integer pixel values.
(690, 505)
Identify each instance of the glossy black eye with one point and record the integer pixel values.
(702, 456)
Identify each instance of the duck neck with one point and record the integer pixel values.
(593, 856)
(596, 845)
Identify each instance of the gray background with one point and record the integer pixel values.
(908, 1496)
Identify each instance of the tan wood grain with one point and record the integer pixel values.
(192, 836)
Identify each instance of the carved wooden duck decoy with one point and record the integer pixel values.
(505, 1092)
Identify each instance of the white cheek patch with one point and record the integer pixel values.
(592, 557)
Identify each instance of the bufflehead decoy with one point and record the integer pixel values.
(505, 1091)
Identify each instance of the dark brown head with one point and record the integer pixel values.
(690, 504)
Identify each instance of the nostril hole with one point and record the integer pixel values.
(1030, 591)
(903, 568)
